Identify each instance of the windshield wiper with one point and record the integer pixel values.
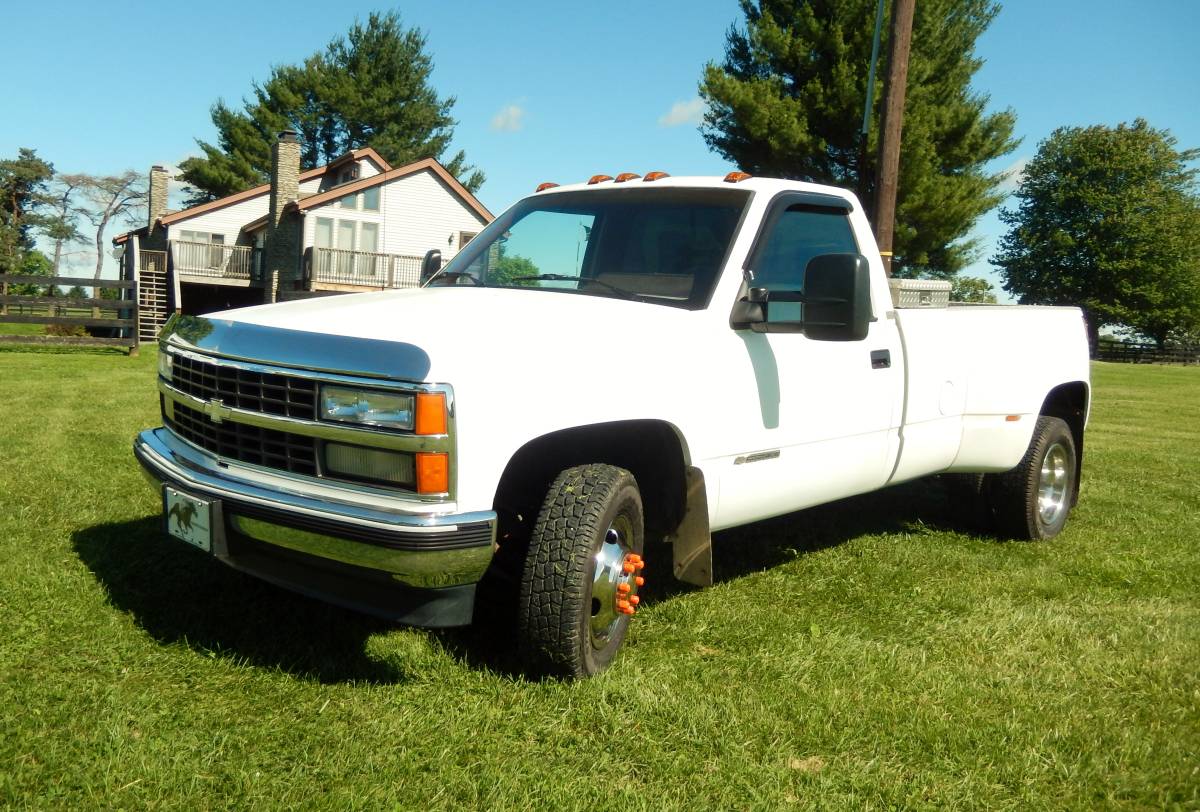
(562, 277)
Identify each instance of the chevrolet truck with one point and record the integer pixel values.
(608, 365)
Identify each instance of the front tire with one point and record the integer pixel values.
(1032, 500)
(582, 571)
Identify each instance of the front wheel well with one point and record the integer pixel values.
(649, 449)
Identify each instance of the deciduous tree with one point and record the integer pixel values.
(368, 88)
(973, 289)
(1108, 218)
(109, 199)
(60, 221)
(788, 101)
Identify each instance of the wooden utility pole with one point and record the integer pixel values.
(888, 169)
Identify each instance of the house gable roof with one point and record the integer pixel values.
(312, 201)
(262, 189)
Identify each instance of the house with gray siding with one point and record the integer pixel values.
(355, 224)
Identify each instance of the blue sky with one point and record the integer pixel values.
(546, 90)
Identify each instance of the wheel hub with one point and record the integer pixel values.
(1053, 484)
(615, 582)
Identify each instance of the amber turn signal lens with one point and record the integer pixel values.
(431, 413)
(624, 176)
(598, 179)
(433, 473)
(655, 175)
(736, 177)
(544, 186)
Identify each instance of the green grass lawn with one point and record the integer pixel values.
(861, 655)
(22, 329)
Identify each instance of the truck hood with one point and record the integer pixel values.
(438, 334)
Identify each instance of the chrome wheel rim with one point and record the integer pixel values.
(1053, 484)
(607, 579)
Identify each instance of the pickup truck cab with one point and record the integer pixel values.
(607, 365)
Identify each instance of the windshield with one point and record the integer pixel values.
(658, 245)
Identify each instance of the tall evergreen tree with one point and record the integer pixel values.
(788, 102)
(368, 88)
(1108, 219)
(22, 192)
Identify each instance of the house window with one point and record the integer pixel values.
(201, 236)
(345, 235)
(366, 200)
(465, 237)
(368, 238)
(348, 175)
(324, 234)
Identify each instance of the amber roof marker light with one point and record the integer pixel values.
(737, 177)
(624, 176)
(594, 179)
(655, 175)
(544, 186)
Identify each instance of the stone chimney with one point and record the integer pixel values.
(285, 173)
(157, 201)
(158, 193)
(282, 248)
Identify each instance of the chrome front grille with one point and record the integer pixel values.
(283, 450)
(248, 389)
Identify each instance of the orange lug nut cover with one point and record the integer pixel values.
(623, 587)
(627, 568)
(639, 580)
(635, 600)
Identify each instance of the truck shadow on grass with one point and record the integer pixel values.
(180, 595)
(920, 506)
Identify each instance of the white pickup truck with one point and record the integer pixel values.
(607, 365)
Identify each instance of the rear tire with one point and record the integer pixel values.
(1032, 501)
(583, 563)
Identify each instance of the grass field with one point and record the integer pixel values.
(861, 655)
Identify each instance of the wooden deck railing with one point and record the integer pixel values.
(214, 260)
(340, 267)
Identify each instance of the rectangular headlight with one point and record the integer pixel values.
(390, 467)
(367, 407)
(164, 365)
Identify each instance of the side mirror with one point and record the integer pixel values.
(431, 264)
(836, 299)
(837, 290)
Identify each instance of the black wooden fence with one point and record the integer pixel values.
(117, 318)
(1146, 353)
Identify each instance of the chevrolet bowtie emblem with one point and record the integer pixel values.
(217, 411)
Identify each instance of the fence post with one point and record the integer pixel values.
(4, 292)
(135, 331)
(391, 274)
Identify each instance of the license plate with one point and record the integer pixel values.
(188, 518)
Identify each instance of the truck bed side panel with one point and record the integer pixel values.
(977, 379)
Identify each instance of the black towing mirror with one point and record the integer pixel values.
(836, 299)
(431, 264)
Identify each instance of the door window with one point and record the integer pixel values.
(803, 231)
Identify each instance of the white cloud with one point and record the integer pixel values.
(510, 119)
(1013, 175)
(683, 112)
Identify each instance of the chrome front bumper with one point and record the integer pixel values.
(336, 544)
